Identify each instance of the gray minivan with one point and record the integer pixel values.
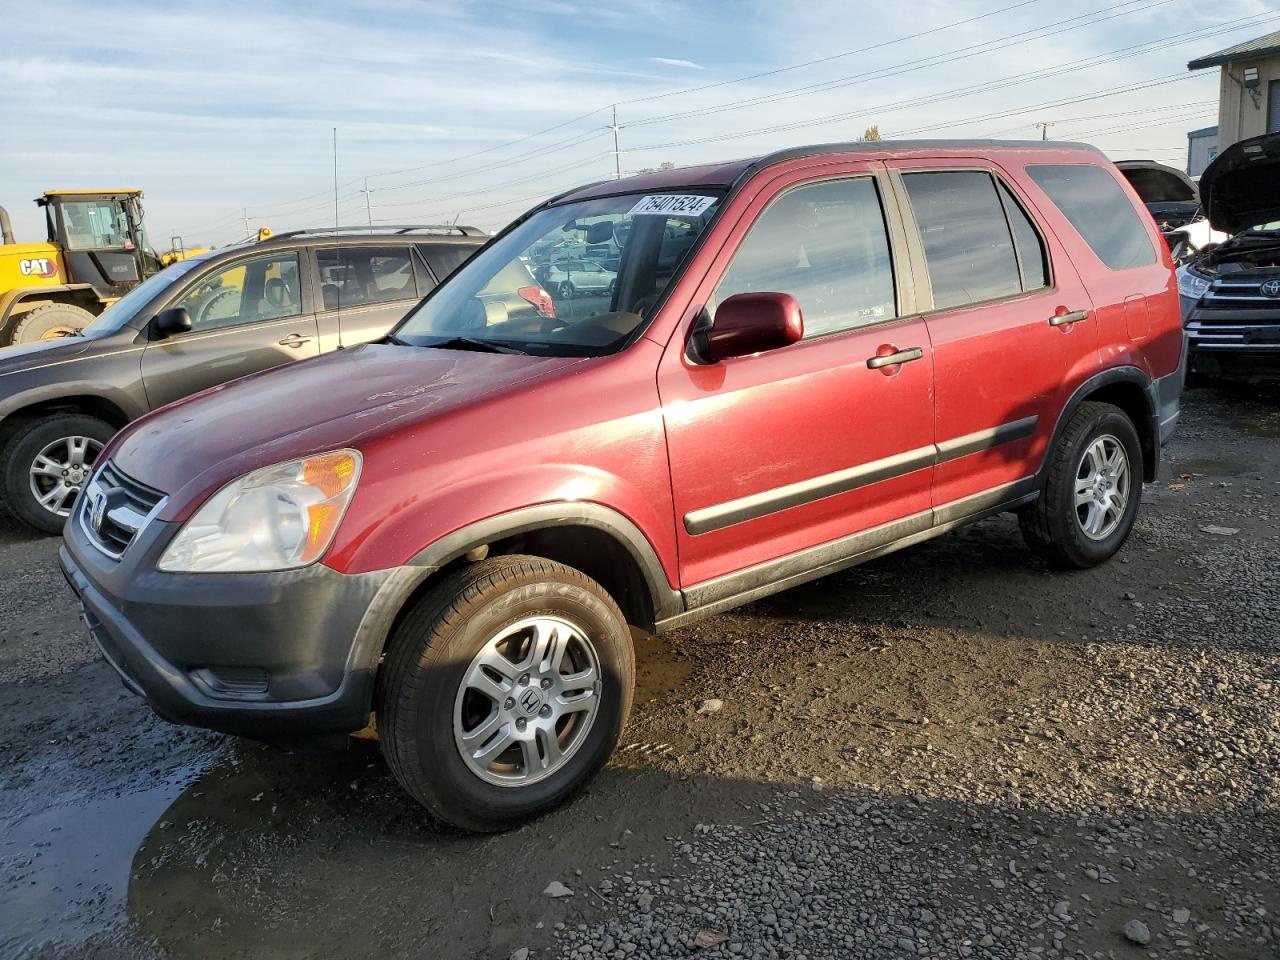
(197, 324)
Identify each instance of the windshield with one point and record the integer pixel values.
(124, 309)
(573, 280)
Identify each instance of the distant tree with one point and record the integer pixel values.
(871, 133)
(660, 168)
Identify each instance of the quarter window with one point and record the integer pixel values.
(1100, 211)
(967, 243)
(248, 291)
(826, 245)
(1026, 243)
(355, 276)
(444, 258)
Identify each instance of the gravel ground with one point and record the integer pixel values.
(948, 752)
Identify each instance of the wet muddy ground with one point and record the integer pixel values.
(948, 752)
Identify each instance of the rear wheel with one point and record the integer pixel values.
(1093, 483)
(46, 463)
(504, 690)
(50, 322)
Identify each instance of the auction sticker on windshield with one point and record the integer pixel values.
(666, 204)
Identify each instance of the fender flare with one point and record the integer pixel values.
(1125, 374)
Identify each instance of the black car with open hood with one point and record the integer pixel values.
(1168, 193)
(1231, 291)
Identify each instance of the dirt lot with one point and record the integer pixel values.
(948, 752)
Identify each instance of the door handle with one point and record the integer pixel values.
(889, 359)
(295, 340)
(1066, 319)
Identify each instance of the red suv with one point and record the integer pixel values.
(802, 362)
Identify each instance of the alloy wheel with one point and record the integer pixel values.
(1103, 481)
(527, 701)
(60, 470)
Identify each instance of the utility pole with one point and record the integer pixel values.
(335, 176)
(244, 214)
(1044, 129)
(368, 211)
(617, 152)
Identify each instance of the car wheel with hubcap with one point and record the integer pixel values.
(504, 690)
(1092, 486)
(46, 464)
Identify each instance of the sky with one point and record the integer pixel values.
(224, 113)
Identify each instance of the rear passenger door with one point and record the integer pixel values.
(1012, 326)
(364, 291)
(246, 316)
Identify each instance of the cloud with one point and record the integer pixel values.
(687, 64)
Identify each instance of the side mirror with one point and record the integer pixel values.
(747, 323)
(171, 321)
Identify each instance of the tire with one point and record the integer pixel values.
(18, 463)
(49, 322)
(428, 700)
(1054, 526)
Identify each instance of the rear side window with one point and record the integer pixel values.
(967, 243)
(444, 258)
(352, 276)
(1032, 263)
(826, 245)
(1100, 211)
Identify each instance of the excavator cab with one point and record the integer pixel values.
(96, 252)
(102, 238)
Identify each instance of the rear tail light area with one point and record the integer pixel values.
(539, 298)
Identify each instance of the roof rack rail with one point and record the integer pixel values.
(391, 228)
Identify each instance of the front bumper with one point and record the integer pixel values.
(286, 658)
(1233, 343)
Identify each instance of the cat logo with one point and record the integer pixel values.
(42, 267)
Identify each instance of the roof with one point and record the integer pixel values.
(92, 193)
(1203, 132)
(727, 173)
(1264, 46)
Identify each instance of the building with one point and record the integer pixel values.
(1248, 89)
(1202, 148)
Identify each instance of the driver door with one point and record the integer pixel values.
(246, 316)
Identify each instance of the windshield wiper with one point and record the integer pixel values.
(471, 343)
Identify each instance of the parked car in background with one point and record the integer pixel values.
(570, 277)
(1173, 199)
(1231, 291)
(807, 360)
(198, 323)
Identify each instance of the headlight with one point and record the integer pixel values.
(276, 518)
(1191, 285)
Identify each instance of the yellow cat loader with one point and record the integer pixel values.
(96, 252)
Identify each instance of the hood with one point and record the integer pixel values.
(334, 401)
(1156, 183)
(1241, 188)
(29, 356)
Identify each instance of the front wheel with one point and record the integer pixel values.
(46, 463)
(504, 690)
(1093, 483)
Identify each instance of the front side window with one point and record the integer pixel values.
(355, 276)
(248, 291)
(826, 245)
(967, 245)
(532, 291)
(1099, 209)
(95, 225)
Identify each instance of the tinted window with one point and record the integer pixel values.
(826, 245)
(265, 288)
(966, 237)
(1026, 243)
(351, 276)
(1100, 211)
(445, 258)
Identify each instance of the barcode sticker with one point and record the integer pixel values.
(668, 204)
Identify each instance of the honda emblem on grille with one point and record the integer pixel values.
(97, 509)
(1270, 288)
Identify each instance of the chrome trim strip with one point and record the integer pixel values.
(776, 499)
(771, 576)
(80, 510)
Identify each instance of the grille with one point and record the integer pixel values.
(114, 508)
(1227, 294)
(234, 683)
